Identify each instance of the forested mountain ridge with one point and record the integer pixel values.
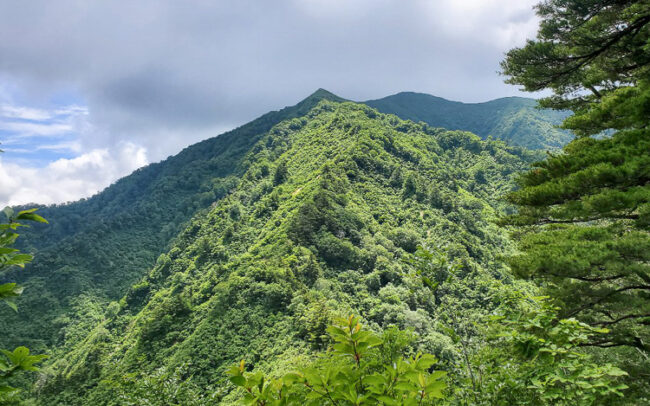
(137, 216)
(94, 249)
(515, 120)
(327, 209)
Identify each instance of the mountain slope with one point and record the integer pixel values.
(93, 250)
(515, 120)
(328, 207)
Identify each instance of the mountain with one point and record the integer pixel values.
(302, 215)
(93, 250)
(515, 120)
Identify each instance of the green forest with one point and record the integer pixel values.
(401, 251)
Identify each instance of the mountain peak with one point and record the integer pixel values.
(322, 94)
(309, 102)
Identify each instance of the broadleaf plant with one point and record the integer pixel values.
(20, 358)
(351, 373)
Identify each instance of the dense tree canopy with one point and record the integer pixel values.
(262, 273)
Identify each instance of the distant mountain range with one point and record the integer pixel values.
(515, 120)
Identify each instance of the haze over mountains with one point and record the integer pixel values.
(242, 237)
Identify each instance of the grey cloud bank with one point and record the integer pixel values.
(165, 74)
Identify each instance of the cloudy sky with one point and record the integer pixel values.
(91, 90)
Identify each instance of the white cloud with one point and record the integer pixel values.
(68, 179)
(74, 146)
(500, 24)
(27, 129)
(24, 113)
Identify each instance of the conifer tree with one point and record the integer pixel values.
(586, 210)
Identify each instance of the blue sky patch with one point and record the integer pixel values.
(35, 137)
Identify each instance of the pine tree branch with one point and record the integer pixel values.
(584, 279)
(583, 60)
(629, 316)
(602, 299)
(544, 221)
(604, 344)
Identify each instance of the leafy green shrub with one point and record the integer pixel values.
(361, 369)
(535, 358)
(406, 239)
(161, 388)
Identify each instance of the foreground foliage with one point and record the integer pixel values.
(526, 355)
(591, 246)
(534, 357)
(361, 369)
(20, 359)
(523, 352)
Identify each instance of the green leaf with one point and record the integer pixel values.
(337, 333)
(292, 377)
(30, 216)
(614, 371)
(7, 389)
(426, 361)
(406, 386)
(11, 304)
(20, 358)
(238, 380)
(387, 400)
(374, 380)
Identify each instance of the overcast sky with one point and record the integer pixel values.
(91, 90)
